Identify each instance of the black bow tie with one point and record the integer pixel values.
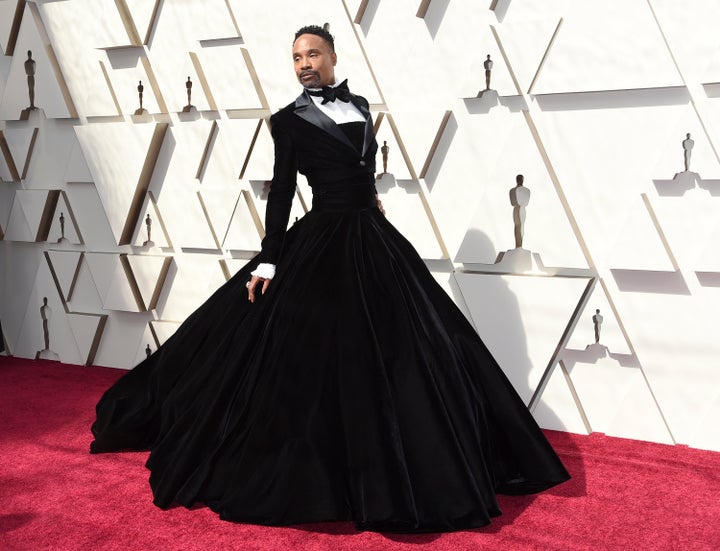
(329, 93)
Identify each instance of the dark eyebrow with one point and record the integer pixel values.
(310, 51)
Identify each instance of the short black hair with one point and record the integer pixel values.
(319, 31)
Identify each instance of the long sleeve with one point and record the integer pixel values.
(282, 191)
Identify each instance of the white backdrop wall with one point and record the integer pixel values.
(590, 100)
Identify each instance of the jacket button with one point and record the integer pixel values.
(362, 163)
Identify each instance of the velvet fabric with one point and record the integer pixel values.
(354, 389)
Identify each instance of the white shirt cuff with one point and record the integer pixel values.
(265, 271)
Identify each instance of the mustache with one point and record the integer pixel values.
(306, 73)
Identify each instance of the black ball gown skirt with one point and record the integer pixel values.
(354, 389)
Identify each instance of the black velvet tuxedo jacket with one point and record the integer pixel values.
(310, 142)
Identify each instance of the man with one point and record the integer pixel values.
(356, 389)
(306, 135)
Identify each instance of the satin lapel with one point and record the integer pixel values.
(306, 109)
(369, 131)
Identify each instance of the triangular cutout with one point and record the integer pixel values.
(144, 16)
(20, 143)
(49, 90)
(149, 274)
(524, 346)
(229, 152)
(229, 79)
(610, 331)
(243, 230)
(63, 226)
(18, 226)
(77, 168)
(151, 227)
(399, 164)
(11, 13)
(123, 293)
(102, 269)
(617, 400)
(407, 209)
(65, 267)
(38, 206)
(590, 52)
(122, 184)
(148, 345)
(46, 329)
(557, 407)
(526, 42)
(87, 330)
(259, 163)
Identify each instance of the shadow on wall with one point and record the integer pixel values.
(497, 316)
(433, 14)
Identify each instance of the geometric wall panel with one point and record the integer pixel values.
(638, 227)
(163, 330)
(77, 169)
(526, 40)
(10, 13)
(228, 77)
(174, 186)
(147, 345)
(616, 398)
(102, 267)
(85, 295)
(558, 407)
(78, 41)
(688, 224)
(398, 167)
(228, 150)
(60, 338)
(122, 293)
(607, 49)
(7, 192)
(403, 201)
(611, 335)
(18, 227)
(50, 89)
(150, 223)
(19, 286)
(92, 221)
(65, 266)
(121, 159)
(522, 345)
(37, 208)
(63, 225)
(231, 266)
(121, 339)
(53, 147)
(128, 69)
(547, 230)
(697, 51)
(233, 224)
(148, 274)
(20, 142)
(87, 330)
(192, 279)
(589, 101)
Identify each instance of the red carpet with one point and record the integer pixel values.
(624, 494)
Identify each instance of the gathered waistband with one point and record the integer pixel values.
(344, 198)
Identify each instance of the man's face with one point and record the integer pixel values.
(314, 61)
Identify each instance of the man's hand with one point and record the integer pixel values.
(254, 281)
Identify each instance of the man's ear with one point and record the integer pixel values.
(333, 56)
